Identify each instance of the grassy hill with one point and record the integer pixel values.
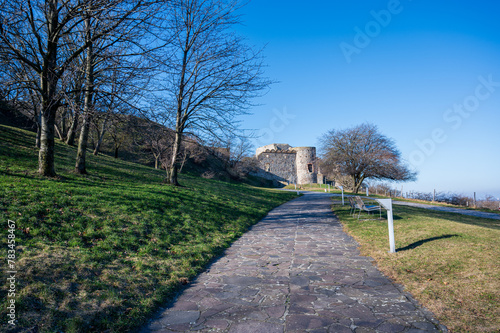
(103, 251)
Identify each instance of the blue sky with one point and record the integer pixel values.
(427, 73)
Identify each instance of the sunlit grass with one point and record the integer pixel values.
(103, 251)
(449, 262)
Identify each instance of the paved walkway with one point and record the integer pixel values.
(475, 213)
(295, 271)
(462, 211)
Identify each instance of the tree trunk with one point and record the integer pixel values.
(70, 139)
(46, 165)
(184, 158)
(357, 182)
(38, 120)
(38, 134)
(174, 168)
(97, 147)
(59, 133)
(62, 128)
(50, 104)
(116, 151)
(80, 166)
(172, 171)
(100, 137)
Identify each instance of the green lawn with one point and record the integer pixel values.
(103, 251)
(449, 262)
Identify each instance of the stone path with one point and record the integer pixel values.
(295, 271)
(462, 211)
(475, 213)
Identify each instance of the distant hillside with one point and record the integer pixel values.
(11, 117)
(128, 144)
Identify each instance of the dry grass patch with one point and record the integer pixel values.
(449, 262)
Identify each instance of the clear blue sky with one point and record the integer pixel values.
(427, 73)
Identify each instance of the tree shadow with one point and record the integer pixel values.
(422, 242)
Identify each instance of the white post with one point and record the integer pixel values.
(390, 221)
(342, 188)
(387, 204)
(367, 194)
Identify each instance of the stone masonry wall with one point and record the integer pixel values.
(278, 166)
(273, 147)
(286, 165)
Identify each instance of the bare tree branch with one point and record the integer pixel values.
(363, 153)
(211, 75)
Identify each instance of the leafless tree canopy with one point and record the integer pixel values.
(211, 74)
(363, 153)
(44, 39)
(76, 63)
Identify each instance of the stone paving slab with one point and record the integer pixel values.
(295, 271)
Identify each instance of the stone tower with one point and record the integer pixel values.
(305, 164)
(287, 165)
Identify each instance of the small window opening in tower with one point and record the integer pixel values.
(267, 167)
(310, 167)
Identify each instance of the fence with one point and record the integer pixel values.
(489, 202)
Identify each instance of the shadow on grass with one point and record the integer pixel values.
(422, 242)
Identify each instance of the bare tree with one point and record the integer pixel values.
(34, 32)
(239, 149)
(21, 86)
(118, 131)
(157, 139)
(73, 97)
(105, 59)
(241, 157)
(361, 152)
(210, 74)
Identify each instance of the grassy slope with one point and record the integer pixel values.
(449, 262)
(103, 251)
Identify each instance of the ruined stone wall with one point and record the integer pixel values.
(306, 165)
(278, 166)
(272, 147)
(287, 165)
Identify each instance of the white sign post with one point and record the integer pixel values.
(342, 188)
(387, 204)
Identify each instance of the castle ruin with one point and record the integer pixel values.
(288, 165)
